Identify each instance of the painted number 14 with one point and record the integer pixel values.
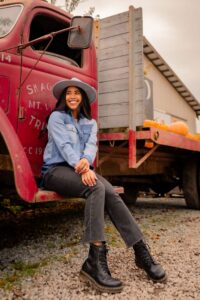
(5, 57)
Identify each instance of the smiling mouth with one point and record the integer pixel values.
(73, 101)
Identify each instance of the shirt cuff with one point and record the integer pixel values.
(87, 157)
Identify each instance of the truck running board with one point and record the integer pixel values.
(46, 196)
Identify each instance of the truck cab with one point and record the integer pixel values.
(27, 73)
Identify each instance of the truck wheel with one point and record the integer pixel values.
(191, 183)
(130, 194)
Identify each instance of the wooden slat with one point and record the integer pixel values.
(116, 109)
(119, 73)
(114, 97)
(136, 76)
(113, 121)
(114, 30)
(120, 67)
(117, 19)
(114, 42)
(114, 63)
(113, 86)
(139, 81)
(112, 52)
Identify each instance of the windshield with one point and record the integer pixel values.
(8, 18)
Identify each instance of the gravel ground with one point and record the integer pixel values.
(41, 253)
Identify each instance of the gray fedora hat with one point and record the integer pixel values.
(59, 87)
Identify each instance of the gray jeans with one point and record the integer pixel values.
(64, 180)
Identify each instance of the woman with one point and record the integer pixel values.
(68, 170)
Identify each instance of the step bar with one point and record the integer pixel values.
(47, 196)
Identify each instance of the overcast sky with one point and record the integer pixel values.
(171, 26)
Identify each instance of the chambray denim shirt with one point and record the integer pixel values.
(69, 140)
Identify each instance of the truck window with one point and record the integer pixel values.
(58, 49)
(8, 18)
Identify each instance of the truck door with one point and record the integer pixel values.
(40, 72)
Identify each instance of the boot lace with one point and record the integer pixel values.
(143, 253)
(103, 261)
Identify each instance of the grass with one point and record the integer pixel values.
(20, 270)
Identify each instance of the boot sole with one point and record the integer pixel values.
(84, 277)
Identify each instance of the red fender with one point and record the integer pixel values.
(24, 180)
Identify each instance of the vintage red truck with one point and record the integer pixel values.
(33, 56)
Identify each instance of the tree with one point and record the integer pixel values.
(53, 2)
(71, 5)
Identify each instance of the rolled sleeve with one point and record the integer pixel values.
(90, 149)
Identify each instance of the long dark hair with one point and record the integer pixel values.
(84, 108)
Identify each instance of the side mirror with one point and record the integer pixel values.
(80, 39)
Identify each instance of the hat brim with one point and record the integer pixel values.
(60, 86)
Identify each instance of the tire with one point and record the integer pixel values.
(191, 183)
(130, 194)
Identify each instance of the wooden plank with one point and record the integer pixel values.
(114, 30)
(121, 78)
(113, 63)
(138, 72)
(136, 76)
(139, 94)
(139, 108)
(113, 121)
(113, 74)
(114, 97)
(122, 50)
(139, 82)
(112, 20)
(139, 58)
(113, 86)
(116, 109)
(115, 41)
(139, 119)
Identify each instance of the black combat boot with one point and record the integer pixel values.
(144, 260)
(95, 270)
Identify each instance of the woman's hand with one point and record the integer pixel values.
(89, 178)
(82, 166)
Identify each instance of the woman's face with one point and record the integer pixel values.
(73, 98)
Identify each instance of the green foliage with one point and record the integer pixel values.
(20, 270)
(90, 11)
(71, 5)
(53, 2)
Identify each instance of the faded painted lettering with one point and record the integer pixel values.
(36, 123)
(34, 104)
(38, 88)
(5, 57)
(34, 150)
(38, 105)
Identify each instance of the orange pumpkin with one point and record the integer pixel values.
(152, 123)
(179, 127)
(192, 136)
(197, 136)
(149, 123)
(162, 126)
